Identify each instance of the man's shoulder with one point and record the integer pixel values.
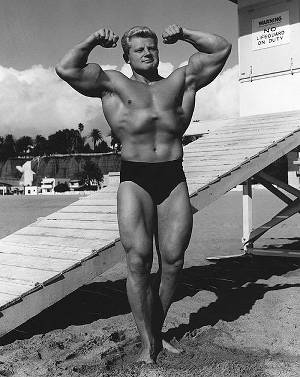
(114, 73)
(176, 77)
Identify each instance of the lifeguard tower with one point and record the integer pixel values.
(269, 62)
(42, 263)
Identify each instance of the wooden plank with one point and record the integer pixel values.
(275, 252)
(82, 216)
(239, 144)
(16, 289)
(95, 202)
(217, 170)
(214, 149)
(29, 275)
(213, 192)
(34, 230)
(261, 128)
(245, 136)
(101, 194)
(77, 224)
(208, 158)
(5, 297)
(47, 251)
(56, 241)
(90, 209)
(31, 305)
(35, 262)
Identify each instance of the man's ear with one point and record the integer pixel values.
(126, 58)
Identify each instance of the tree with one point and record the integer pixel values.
(40, 146)
(80, 127)
(8, 147)
(115, 142)
(91, 172)
(96, 135)
(24, 145)
(87, 148)
(65, 141)
(102, 147)
(61, 187)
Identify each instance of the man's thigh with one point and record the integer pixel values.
(135, 218)
(175, 222)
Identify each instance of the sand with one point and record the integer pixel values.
(238, 317)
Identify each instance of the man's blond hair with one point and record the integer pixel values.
(136, 31)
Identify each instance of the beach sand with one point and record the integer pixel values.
(239, 317)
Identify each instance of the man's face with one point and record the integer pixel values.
(143, 54)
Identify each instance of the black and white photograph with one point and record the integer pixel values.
(149, 188)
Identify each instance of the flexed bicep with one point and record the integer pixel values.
(203, 68)
(90, 81)
(87, 78)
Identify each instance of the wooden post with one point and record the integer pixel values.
(247, 213)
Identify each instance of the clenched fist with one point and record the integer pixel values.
(106, 38)
(172, 33)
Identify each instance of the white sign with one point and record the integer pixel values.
(271, 31)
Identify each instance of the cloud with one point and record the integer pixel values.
(35, 101)
(165, 69)
(126, 70)
(220, 99)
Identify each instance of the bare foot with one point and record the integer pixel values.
(149, 356)
(145, 358)
(168, 346)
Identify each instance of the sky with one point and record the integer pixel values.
(35, 34)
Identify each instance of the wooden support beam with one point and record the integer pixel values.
(287, 212)
(277, 182)
(247, 213)
(275, 252)
(273, 189)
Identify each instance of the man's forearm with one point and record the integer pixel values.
(77, 57)
(204, 42)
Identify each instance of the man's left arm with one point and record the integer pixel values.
(207, 63)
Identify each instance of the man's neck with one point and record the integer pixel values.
(146, 77)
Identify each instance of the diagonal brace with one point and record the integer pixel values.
(284, 214)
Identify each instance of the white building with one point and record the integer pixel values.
(48, 184)
(75, 184)
(3, 190)
(31, 190)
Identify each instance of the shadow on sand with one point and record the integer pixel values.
(234, 282)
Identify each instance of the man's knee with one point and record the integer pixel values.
(139, 259)
(172, 260)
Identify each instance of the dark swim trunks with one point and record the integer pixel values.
(157, 178)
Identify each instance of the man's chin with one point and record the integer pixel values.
(152, 66)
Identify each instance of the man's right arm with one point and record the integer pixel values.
(87, 78)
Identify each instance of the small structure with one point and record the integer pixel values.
(3, 190)
(76, 184)
(30, 190)
(48, 184)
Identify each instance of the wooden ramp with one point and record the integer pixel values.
(42, 263)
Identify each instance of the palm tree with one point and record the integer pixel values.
(80, 127)
(96, 135)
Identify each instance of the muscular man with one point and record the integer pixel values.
(149, 114)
